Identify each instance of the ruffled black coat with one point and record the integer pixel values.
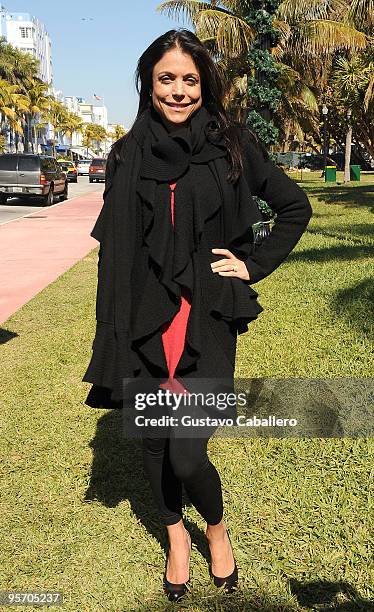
(221, 308)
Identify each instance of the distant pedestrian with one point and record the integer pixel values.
(178, 186)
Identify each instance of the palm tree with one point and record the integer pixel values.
(311, 33)
(11, 105)
(2, 143)
(298, 106)
(94, 134)
(73, 124)
(20, 105)
(308, 27)
(57, 115)
(353, 80)
(118, 132)
(7, 92)
(19, 69)
(38, 101)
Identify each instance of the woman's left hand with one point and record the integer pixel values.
(231, 266)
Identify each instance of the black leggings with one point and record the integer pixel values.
(169, 462)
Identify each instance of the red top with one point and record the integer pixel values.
(174, 331)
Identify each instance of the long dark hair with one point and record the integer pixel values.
(211, 89)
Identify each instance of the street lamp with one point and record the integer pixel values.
(348, 147)
(325, 110)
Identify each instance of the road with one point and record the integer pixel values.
(16, 208)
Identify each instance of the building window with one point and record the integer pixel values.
(26, 32)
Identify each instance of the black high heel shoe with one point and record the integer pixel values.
(175, 591)
(230, 582)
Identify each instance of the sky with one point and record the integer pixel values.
(98, 55)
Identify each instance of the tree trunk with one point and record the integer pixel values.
(26, 134)
(287, 136)
(35, 139)
(3, 126)
(347, 160)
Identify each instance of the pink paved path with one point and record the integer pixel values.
(35, 251)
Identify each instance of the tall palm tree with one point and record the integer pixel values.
(118, 132)
(352, 81)
(311, 33)
(7, 92)
(20, 105)
(18, 68)
(38, 101)
(73, 124)
(94, 134)
(12, 104)
(306, 26)
(57, 115)
(296, 113)
(2, 143)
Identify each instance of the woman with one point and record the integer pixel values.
(176, 261)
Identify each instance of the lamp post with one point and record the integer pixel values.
(325, 110)
(348, 148)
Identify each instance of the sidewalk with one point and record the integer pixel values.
(37, 249)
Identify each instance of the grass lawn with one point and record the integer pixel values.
(77, 511)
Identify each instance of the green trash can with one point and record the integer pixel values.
(330, 174)
(355, 173)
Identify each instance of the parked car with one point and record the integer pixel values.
(28, 176)
(83, 166)
(97, 169)
(70, 170)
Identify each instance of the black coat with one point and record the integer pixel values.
(222, 307)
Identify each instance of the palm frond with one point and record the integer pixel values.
(325, 36)
(282, 26)
(182, 9)
(239, 7)
(234, 36)
(8, 112)
(361, 12)
(308, 97)
(294, 11)
(293, 85)
(350, 76)
(289, 76)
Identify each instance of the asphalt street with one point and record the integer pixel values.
(16, 208)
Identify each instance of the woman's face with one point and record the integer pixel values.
(176, 91)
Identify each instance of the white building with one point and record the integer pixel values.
(93, 114)
(29, 35)
(97, 115)
(100, 114)
(72, 104)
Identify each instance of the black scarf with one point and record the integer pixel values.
(167, 157)
(151, 158)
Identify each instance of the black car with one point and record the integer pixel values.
(26, 175)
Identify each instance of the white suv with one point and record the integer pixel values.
(83, 166)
